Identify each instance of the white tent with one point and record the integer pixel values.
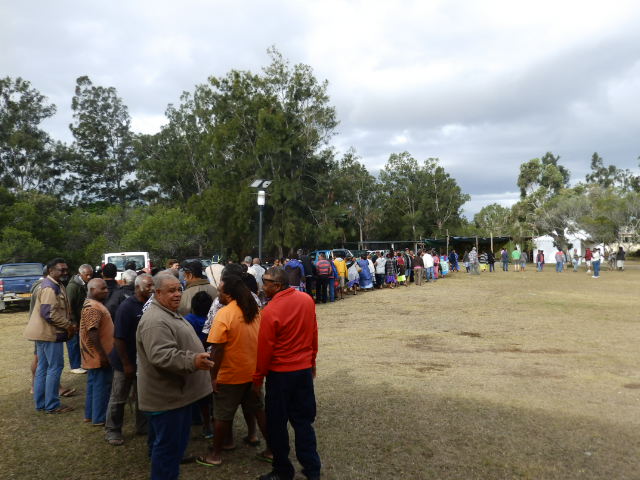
(578, 240)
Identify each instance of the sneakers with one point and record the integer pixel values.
(78, 371)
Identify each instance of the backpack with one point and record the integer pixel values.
(323, 268)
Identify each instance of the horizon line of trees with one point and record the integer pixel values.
(185, 190)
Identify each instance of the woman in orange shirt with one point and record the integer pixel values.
(234, 339)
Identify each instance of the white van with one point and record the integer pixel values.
(120, 259)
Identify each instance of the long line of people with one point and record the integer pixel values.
(329, 279)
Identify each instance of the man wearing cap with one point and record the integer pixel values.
(196, 282)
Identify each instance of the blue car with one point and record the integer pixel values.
(16, 280)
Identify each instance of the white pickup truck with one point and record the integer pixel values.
(120, 259)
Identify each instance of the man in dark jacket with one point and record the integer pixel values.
(77, 293)
(120, 294)
(109, 272)
(309, 272)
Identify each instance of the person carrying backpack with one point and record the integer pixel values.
(324, 274)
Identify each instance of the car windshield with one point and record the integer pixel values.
(30, 270)
(120, 260)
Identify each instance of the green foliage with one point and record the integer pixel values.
(166, 232)
(27, 161)
(543, 176)
(420, 199)
(493, 219)
(31, 228)
(19, 246)
(611, 176)
(103, 168)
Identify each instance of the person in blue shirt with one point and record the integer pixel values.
(200, 305)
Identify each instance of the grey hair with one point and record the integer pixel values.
(140, 278)
(279, 275)
(170, 271)
(129, 276)
(85, 267)
(161, 278)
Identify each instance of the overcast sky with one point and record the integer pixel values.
(483, 85)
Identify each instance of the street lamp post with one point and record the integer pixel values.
(261, 185)
(261, 202)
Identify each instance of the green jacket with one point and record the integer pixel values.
(77, 293)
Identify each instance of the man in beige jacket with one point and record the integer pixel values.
(50, 326)
(173, 374)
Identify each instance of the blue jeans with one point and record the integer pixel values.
(290, 398)
(505, 266)
(73, 349)
(559, 266)
(98, 392)
(46, 382)
(168, 439)
(430, 274)
(332, 290)
(540, 266)
(596, 268)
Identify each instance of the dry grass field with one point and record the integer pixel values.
(502, 376)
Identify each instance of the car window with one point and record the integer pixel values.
(21, 270)
(120, 260)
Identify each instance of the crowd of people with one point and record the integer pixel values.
(190, 345)
(185, 350)
(591, 259)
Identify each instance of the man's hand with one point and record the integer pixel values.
(257, 389)
(104, 361)
(202, 361)
(313, 372)
(71, 329)
(129, 370)
(214, 385)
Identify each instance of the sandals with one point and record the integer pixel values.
(61, 409)
(203, 461)
(264, 457)
(68, 392)
(251, 443)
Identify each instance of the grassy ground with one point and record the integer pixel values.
(507, 375)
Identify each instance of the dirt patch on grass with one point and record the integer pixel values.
(470, 334)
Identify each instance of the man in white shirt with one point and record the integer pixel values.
(380, 267)
(595, 261)
(257, 271)
(427, 258)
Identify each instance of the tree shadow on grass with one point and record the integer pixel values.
(380, 432)
(364, 431)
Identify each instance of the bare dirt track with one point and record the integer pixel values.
(507, 375)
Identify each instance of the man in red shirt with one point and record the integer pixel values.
(287, 349)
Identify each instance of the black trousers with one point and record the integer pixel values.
(322, 283)
(290, 398)
(309, 284)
